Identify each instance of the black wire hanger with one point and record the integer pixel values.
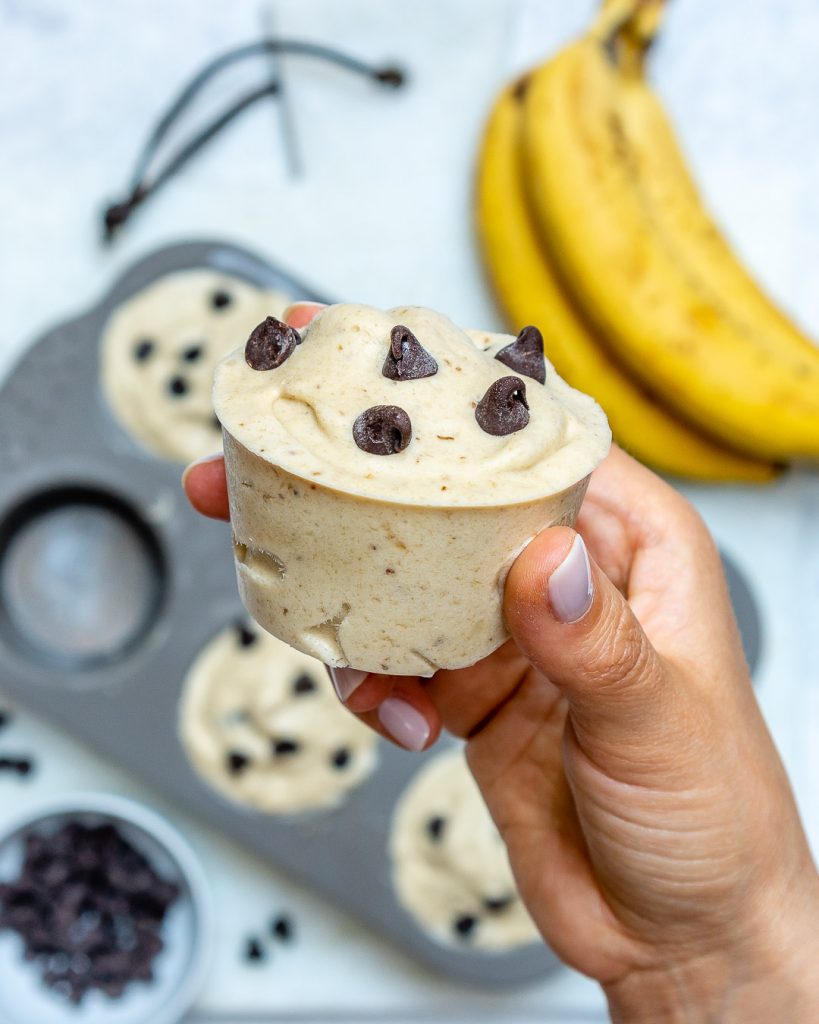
(142, 186)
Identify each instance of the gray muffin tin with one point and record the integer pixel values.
(78, 496)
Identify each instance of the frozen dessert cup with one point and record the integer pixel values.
(384, 471)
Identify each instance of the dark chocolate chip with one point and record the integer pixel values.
(221, 299)
(465, 925)
(178, 386)
(304, 684)
(497, 904)
(503, 409)
(382, 430)
(285, 748)
(435, 827)
(270, 344)
(407, 359)
(143, 350)
(525, 355)
(193, 353)
(8, 764)
(254, 951)
(341, 758)
(281, 928)
(245, 636)
(236, 762)
(24, 766)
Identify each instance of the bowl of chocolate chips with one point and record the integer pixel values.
(104, 916)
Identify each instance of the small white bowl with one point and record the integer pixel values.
(180, 968)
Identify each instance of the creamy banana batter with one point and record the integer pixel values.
(450, 867)
(261, 724)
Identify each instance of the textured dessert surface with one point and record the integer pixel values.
(261, 724)
(159, 350)
(473, 431)
(450, 867)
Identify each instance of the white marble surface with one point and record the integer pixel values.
(382, 214)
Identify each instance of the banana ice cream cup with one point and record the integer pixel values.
(384, 469)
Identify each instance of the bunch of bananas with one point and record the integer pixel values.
(592, 228)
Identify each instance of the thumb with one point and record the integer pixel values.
(577, 629)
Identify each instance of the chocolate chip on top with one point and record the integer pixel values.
(525, 355)
(503, 409)
(407, 358)
(382, 430)
(270, 344)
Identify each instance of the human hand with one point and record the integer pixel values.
(619, 747)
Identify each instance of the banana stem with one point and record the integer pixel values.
(627, 29)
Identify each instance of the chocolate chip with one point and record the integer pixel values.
(193, 353)
(304, 684)
(254, 951)
(407, 359)
(382, 430)
(236, 762)
(435, 827)
(178, 386)
(89, 908)
(143, 350)
(503, 409)
(24, 766)
(285, 748)
(245, 636)
(525, 355)
(341, 758)
(221, 299)
(465, 925)
(497, 904)
(270, 344)
(281, 928)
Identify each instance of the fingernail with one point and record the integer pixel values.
(294, 314)
(346, 681)
(404, 723)
(570, 585)
(200, 462)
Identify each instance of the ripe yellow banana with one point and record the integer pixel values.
(673, 200)
(529, 293)
(733, 381)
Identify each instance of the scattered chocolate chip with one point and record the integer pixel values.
(178, 386)
(407, 359)
(497, 904)
(143, 350)
(341, 758)
(435, 828)
(270, 344)
(221, 299)
(503, 409)
(281, 928)
(304, 684)
(245, 636)
(236, 762)
(193, 353)
(382, 430)
(90, 909)
(24, 766)
(285, 748)
(465, 925)
(525, 355)
(254, 951)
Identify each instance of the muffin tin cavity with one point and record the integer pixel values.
(82, 578)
